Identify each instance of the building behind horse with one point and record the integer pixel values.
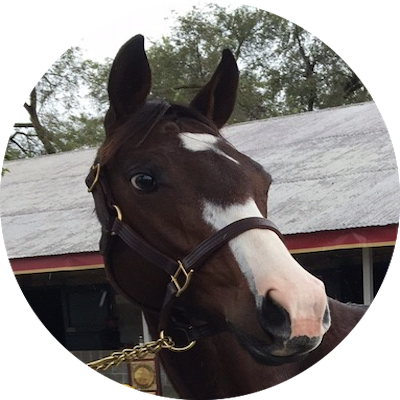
(335, 195)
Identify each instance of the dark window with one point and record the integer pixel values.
(89, 321)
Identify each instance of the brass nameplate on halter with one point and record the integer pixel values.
(186, 275)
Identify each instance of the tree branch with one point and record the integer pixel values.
(23, 125)
(187, 87)
(12, 140)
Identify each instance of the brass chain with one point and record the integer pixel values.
(138, 352)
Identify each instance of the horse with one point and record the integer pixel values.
(186, 236)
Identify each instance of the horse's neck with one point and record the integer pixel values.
(218, 367)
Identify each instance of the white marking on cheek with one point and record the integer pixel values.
(202, 142)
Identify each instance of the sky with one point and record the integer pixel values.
(152, 21)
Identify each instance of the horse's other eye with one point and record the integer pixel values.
(143, 182)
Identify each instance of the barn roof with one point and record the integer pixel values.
(332, 169)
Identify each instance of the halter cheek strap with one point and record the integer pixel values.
(180, 271)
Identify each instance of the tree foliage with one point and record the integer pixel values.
(65, 109)
(283, 70)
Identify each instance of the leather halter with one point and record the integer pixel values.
(180, 271)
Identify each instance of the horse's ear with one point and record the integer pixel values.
(130, 80)
(216, 100)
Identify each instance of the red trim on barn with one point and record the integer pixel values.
(299, 243)
(63, 262)
(342, 239)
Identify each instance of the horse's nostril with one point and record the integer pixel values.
(327, 318)
(274, 319)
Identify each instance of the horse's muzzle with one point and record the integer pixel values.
(284, 332)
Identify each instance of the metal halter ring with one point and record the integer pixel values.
(172, 347)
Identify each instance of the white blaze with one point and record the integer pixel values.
(271, 270)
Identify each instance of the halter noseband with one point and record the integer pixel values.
(180, 271)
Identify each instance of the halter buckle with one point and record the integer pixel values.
(187, 276)
(96, 177)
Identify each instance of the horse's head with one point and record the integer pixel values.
(176, 181)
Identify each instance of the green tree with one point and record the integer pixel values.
(284, 69)
(304, 74)
(55, 124)
(182, 62)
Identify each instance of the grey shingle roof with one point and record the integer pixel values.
(45, 207)
(332, 169)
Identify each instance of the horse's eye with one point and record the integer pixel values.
(143, 182)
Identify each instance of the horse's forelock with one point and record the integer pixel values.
(138, 128)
